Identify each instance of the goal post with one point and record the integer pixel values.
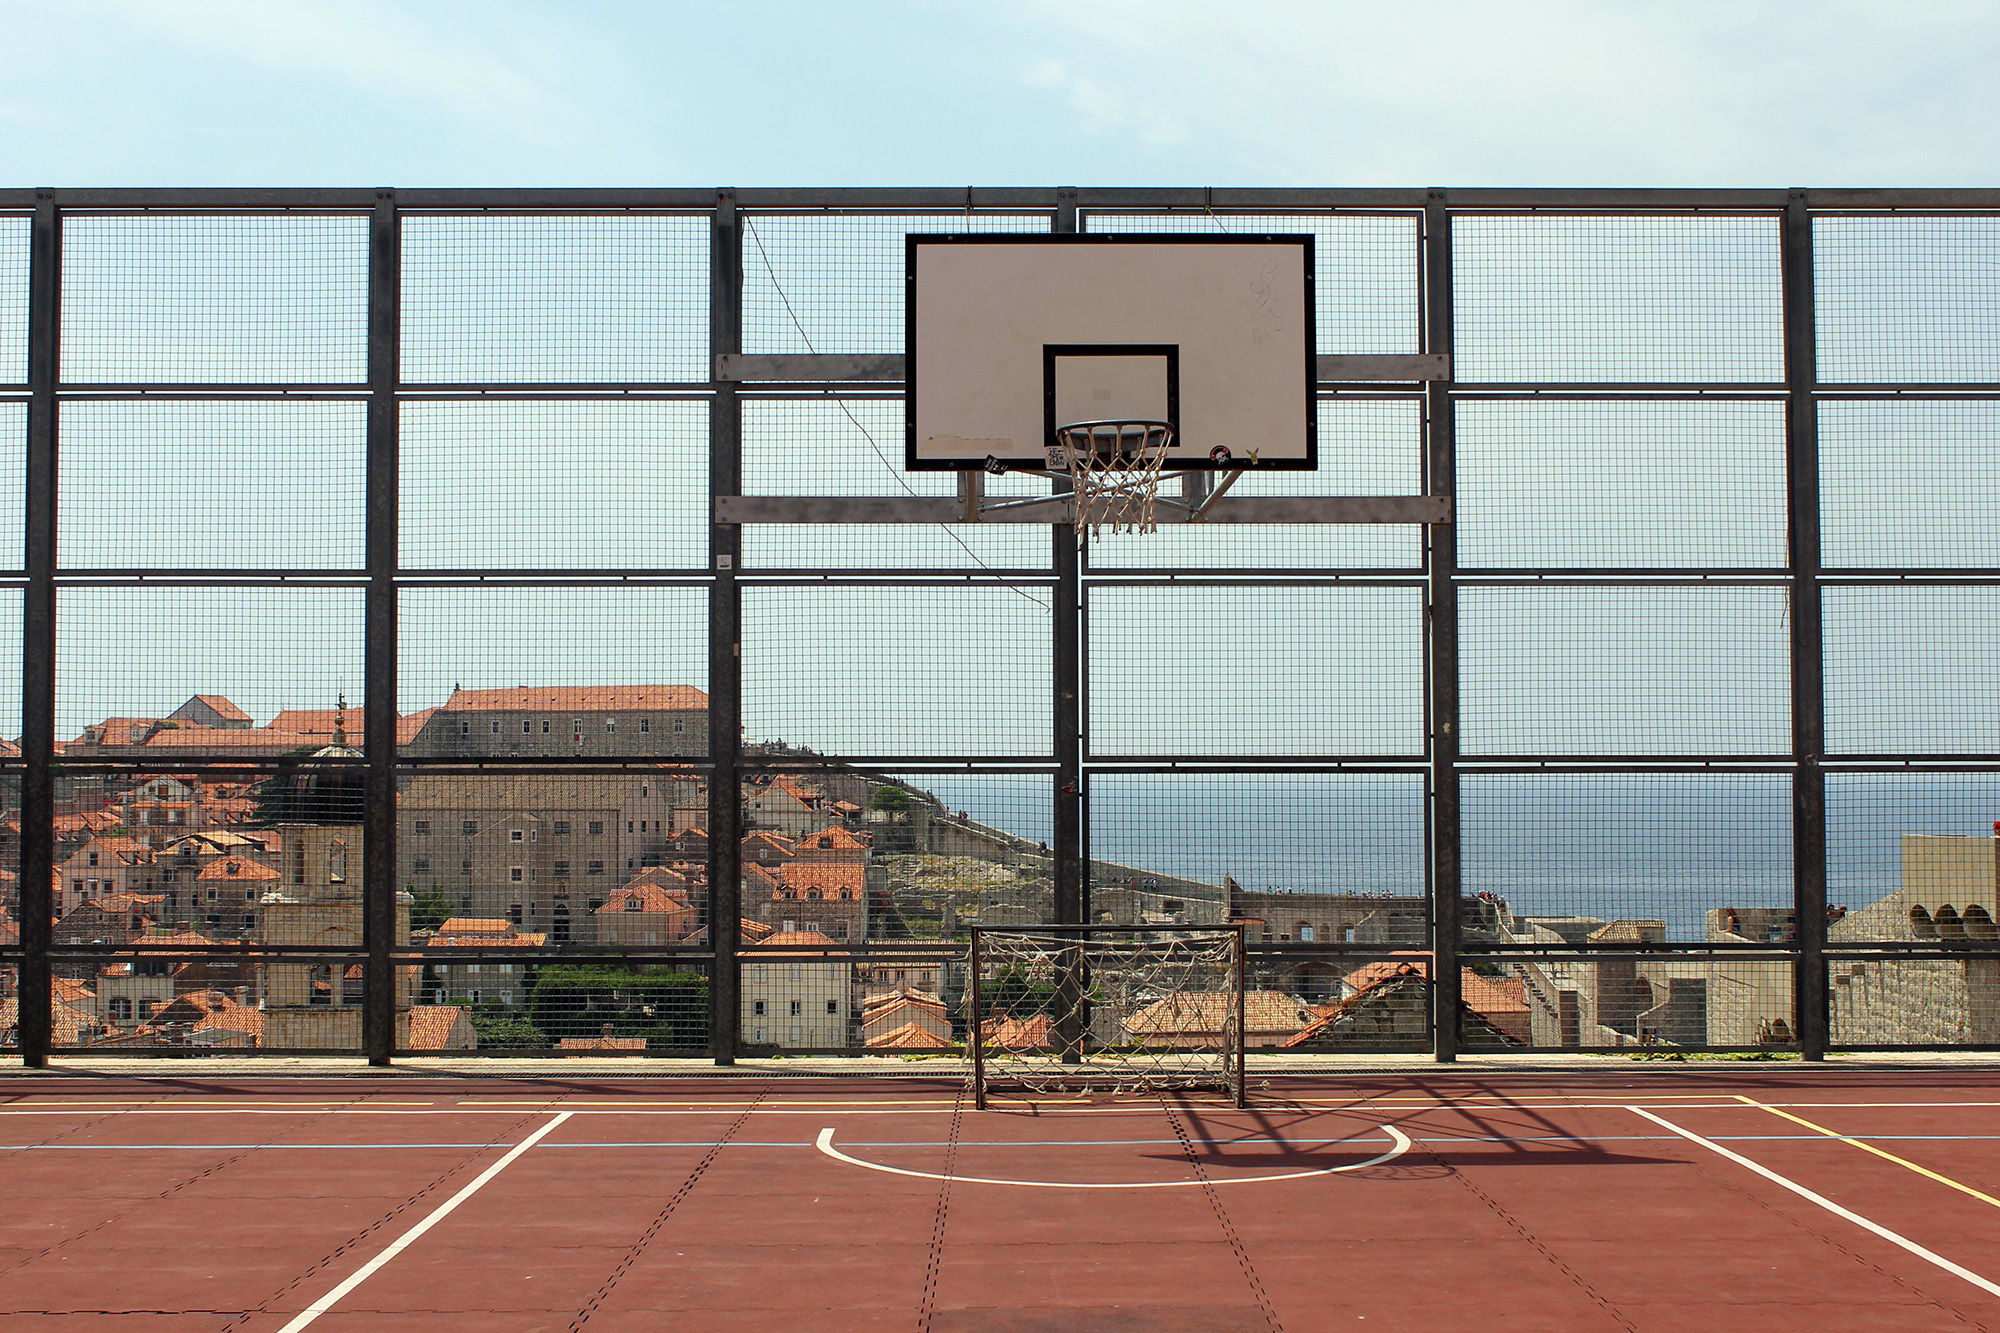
(1126, 1008)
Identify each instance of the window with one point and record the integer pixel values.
(635, 904)
(596, 828)
(527, 727)
(628, 826)
(90, 858)
(514, 914)
(833, 1006)
(679, 726)
(249, 921)
(468, 827)
(610, 725)
(560, 868)
(121, 1008)
(645, 725)
(642, 826)
(336, 861)
(594, 868)
(643, 790)
(757, 1008)
(515, 835)
(561, 829)
(494, 726)
(576, 728)
(1305, 932)
(798, 1007)
(420, 865)
(465, 867)
(464, 729)
(515, 874)
(545, 726)
(422, 828)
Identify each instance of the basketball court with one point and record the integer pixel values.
(1622, 1199)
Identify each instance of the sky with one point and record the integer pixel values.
(1714, 93)
(1029, 92)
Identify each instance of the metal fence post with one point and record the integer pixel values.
(1441, 632)
(38, 643)
(725, 635)
(1072, 859)
(378, 931)
(1808, 682)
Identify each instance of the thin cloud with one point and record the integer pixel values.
(377, 48)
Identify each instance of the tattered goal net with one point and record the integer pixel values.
(1114, 1009)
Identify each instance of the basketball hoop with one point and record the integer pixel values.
(1114, 471)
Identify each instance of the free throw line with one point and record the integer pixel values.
(404, 1241)
(1985, 1285)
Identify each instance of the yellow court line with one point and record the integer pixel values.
(1884, 1154)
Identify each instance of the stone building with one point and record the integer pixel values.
(542, 851)
(566, 721)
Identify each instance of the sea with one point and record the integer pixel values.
(1665, 846)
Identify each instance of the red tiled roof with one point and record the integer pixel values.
(431, 1025)
(1025, 1034)
(651, 899)
(582, 698)
(802, 938)
(223, 707)
(236, 868)
(835, 839)
(1205, 1011)
(836, 881)
(910, 1037)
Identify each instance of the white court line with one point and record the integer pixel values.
(403, 1242)
(1043, 1109)
(1991, 1288)
(1399, 1144)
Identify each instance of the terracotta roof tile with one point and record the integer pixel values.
(583, 698)
(224, 868)
(223, 707)
(432, 1025)
(836, 881)
(910, 1037)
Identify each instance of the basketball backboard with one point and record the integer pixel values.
(1010, 336)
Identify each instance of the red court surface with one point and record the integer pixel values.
(1629, 1199)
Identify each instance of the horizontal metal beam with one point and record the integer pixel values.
(756, 509)
(737, 368)
(1035, 199)
(1343, 369)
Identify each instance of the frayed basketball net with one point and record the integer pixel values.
(1114, 472)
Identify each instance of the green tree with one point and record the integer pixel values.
(431, 909)
(668, 1008)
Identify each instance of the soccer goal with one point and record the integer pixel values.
(1069, 1009)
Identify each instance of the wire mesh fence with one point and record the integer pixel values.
(1562, 762)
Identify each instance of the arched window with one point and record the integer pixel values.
(321, 980)
(336, 861)
(1948, 925)
(1305, 931)
(1979, 923)
(1921, 925)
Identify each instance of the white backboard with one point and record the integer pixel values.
(1009, 336)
